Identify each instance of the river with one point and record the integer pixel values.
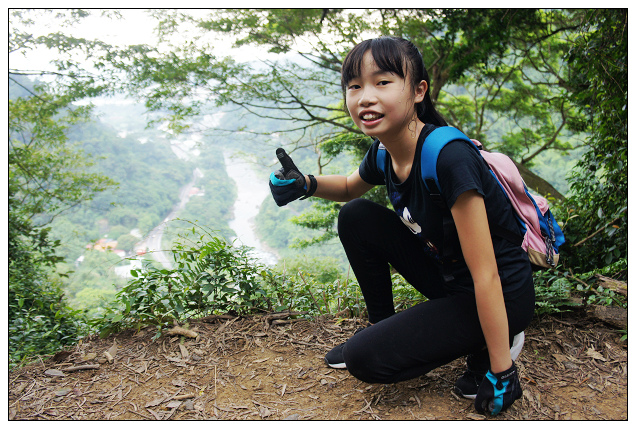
(252, 191)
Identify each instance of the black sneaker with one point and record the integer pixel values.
(334, 358)
(468, 384)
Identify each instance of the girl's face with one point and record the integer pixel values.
(381, 103)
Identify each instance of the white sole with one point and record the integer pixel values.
(517, 345)
(338, 365)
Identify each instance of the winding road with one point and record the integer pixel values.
(251, 193)
(152, 242)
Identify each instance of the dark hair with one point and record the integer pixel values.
(399, 56)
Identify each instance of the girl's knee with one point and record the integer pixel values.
(352, 210)
(359, 215)
(350, 217)
(364, 364)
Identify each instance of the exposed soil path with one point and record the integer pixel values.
(254, 368)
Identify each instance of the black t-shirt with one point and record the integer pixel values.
(460, 168)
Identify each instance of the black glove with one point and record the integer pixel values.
(288, 183)
(498, 391)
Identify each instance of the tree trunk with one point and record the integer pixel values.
(615, 316)
(537, 184)
(612, 284)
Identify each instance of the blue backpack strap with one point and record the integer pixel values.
(431, 148)
(380, 158)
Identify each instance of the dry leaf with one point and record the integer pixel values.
(179, 382)
(292, 417)
(595, 355)
(177, 330)
(173, 404)
(474, 416)
(184, 351)
(54, 373)
(156, 415)
(264, 412)
(172, 359)
(113, 350)
(62, 392)
(154, 402)
(560, 357)
(89, 356)
(61, 355)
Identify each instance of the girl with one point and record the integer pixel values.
(488, 299)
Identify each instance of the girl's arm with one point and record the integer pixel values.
(469, 214)
(340, 188)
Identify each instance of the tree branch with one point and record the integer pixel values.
(598, 231)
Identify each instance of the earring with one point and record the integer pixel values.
(414, 122)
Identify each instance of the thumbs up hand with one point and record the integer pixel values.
(288, 183)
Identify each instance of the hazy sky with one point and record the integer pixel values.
(134, 28)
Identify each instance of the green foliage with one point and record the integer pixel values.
(93, 282)
(597, 227)
(599, 295)
(325, 269)
(47, 175)
(322, 218)
(558, 291)
(553, 292)
(47, 172)
(306, 285)
(209, 276)
(40, 321)
(298, 291)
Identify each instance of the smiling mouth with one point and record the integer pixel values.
(371, 116)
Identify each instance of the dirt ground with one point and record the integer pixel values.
(266, 368)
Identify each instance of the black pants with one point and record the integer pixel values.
(430, 334)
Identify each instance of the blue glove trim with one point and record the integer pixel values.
(279, 182)
(497, 402)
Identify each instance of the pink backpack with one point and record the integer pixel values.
(543, 236)
(540, 235)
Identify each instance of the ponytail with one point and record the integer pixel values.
(427, 113)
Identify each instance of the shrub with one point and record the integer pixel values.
(210, 275)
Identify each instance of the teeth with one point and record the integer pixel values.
(371, 116)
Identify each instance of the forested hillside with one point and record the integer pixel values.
(88, 183)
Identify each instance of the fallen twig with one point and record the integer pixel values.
(177, 330)
(186, 396)
(81, 367)
(214, 317)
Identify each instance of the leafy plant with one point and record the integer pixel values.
(599, 295)
(599, 183)
(210, 275)
(40, 322)
(552, 293)
(302, 290)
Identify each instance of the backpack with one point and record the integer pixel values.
(541, 236)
